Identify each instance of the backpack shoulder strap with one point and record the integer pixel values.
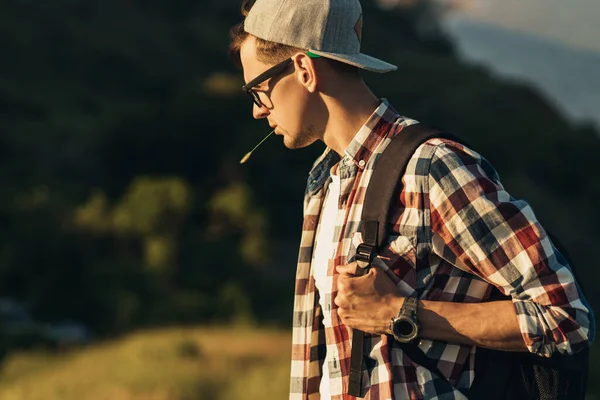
(387, 179)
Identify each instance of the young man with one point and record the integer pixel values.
(456, 232)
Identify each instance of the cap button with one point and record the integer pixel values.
(362, 163)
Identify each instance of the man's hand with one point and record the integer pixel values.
(367, 302)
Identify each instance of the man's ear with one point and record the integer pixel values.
(305, 71)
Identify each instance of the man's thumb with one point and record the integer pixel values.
(349, 269)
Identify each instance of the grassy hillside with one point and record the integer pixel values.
(170, 364)
(166, 364)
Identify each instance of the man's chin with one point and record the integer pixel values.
(293, 144)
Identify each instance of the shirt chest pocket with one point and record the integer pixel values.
(398, 260)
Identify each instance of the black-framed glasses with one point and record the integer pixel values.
(270, 73)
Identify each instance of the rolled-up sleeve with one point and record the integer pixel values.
(499, 239)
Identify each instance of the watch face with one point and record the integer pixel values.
(403, 328)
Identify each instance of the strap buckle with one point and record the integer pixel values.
(365, 253)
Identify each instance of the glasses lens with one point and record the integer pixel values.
(254, 97)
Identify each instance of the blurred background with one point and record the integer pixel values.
(140, 260)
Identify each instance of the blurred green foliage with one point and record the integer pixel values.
(123, 203)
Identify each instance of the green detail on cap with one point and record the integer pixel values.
(312, 55)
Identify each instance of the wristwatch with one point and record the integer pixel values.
(405, 327)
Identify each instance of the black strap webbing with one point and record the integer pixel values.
(387, 176)
(385, 182)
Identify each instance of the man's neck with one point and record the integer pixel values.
(349, 110)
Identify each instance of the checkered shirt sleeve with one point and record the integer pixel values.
(479, 227)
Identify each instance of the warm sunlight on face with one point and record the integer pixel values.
(285, 101)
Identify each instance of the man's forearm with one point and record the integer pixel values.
(369, 302)
(493, 324)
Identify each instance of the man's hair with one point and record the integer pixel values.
(271, 52)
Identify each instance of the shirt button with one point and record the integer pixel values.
(362, 163)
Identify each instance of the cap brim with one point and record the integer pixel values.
(359, 60)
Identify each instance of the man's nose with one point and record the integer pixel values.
(260, 112)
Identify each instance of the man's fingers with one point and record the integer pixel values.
(339, 301)
(348, 269)
(345, 283)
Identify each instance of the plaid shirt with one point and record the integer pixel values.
(454, 214)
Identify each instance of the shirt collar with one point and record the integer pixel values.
(360, 149)
(370, 135)
(321, 170)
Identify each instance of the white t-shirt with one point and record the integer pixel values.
(323, 253)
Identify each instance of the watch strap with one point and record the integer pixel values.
(408, 311)
(409, 307)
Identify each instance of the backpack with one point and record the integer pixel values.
(498, 374)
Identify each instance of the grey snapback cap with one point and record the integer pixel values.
(329, 28)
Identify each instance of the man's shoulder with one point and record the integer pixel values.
(441, 155)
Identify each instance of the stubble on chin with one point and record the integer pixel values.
(302, 139)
